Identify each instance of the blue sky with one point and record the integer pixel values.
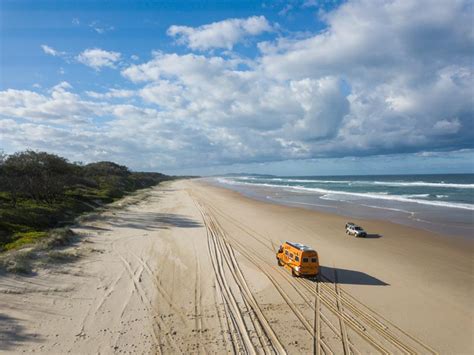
(205, 87)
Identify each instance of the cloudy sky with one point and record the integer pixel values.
(202, 87)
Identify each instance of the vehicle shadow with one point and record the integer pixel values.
(348, 277)
(12, 334)
(373, 236)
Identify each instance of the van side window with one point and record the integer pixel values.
(297, 258)
(314, 260)
(305, 260)
(291, 255)
(286, 252)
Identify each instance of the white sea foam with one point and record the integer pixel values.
(424, 183)
(314, 181)
(416, 196)
(343, 195)
(384, 196)
(366, 182)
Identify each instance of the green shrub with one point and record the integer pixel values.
(24, 238)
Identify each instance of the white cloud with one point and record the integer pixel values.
(97, 58)
(60, 107)
(385, 79)
(51, 51)
(324, 107)
(447, 126)
(360, 87)
(101, 28)
(286, 9)
(222, 34)
(165, 94)
(112, 93)
(310, 3)
(192, 67)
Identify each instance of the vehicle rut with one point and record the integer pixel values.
(222, 255)
(356, 320)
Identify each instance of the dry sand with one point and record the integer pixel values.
(190, 268)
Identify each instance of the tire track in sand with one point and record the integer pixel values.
(362, 312)
(222, 250)
(157, 333)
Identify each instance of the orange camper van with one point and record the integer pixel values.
(300, 259)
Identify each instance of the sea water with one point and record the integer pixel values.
(441, 203)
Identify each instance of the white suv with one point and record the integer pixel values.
(355, 230)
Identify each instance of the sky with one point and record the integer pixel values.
(303, 87)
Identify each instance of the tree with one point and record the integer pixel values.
(106, 168)
(38, 175)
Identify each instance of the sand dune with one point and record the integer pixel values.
(191, 268)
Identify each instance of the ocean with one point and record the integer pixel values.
(441, 203)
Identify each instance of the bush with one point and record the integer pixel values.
(39, 191)
(59, 237)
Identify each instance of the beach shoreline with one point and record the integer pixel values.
(455, 222)
(412, 263)
(169, 272)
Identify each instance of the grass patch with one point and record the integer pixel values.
(64, 256)
(23, 239)
(45, 248)
(20, 262)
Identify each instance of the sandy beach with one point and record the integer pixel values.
(190, 268)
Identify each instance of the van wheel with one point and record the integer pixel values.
(279, 262)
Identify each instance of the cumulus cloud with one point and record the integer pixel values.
(385, 79)
(223, 34)
(61, 106)
(324, 105)
(97, 58)
(112, 93)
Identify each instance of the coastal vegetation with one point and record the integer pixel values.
(40, 191)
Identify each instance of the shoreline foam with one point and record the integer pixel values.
(435, 216)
